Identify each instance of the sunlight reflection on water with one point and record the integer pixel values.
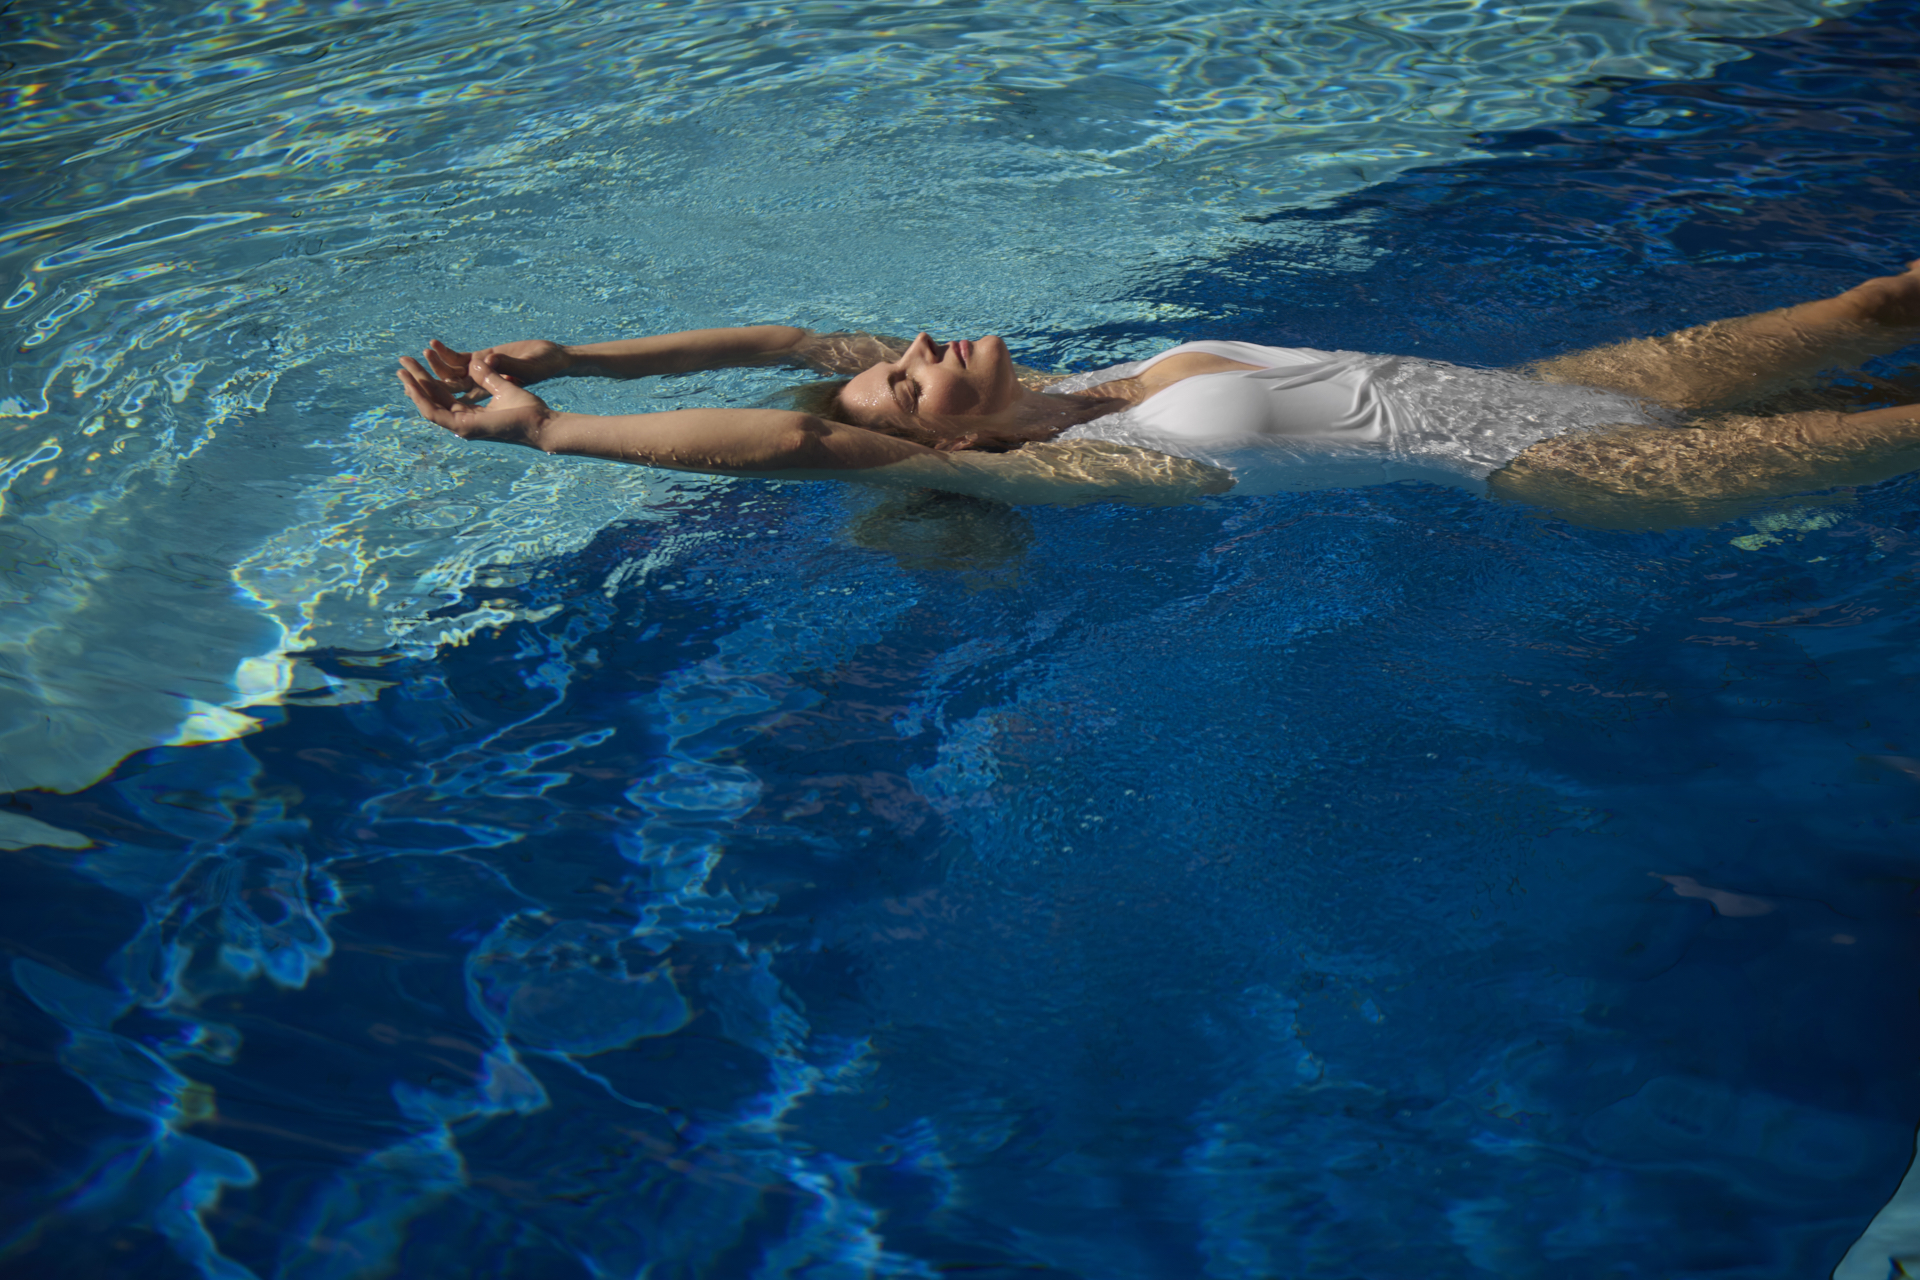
(230, 218)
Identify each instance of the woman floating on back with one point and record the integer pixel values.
(1710, 414)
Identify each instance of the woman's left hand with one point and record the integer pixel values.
(512, 414)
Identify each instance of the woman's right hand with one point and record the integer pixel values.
(533, 360)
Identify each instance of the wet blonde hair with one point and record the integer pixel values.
(988, 433)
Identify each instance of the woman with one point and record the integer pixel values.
(1713, 413)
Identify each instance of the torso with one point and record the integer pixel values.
(1207, 394)
(1302, 417)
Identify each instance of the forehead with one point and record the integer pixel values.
(867, 391)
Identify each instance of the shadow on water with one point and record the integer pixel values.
(1383, 882)
(932, 530)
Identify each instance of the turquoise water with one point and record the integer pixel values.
(228, 220)
(428, 860)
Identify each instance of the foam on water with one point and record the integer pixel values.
(228, 220)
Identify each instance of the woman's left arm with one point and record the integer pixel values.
(716, 441)
(690, 351)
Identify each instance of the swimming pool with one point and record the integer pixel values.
(433, 861)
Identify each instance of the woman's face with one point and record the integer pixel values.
(957, 379)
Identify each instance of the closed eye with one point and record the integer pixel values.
(907, 392)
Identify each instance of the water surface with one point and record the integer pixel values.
(627, 875)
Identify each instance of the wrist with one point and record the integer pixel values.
(547, 428)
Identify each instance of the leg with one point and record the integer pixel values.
(1669, 477)
(1733, 361)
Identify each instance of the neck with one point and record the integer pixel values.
(1033, 416)
(1063, 411)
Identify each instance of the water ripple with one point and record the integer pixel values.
(238, 213)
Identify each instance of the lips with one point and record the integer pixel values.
(964, 350)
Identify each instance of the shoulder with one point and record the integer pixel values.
(1135, 381)
(1160, 374)
(1177, 365)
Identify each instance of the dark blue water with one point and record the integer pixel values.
(1376, 883)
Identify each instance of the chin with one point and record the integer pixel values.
(1006, 387)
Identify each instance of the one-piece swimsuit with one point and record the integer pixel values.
(1307, 419)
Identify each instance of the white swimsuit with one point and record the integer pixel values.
(1308, 419)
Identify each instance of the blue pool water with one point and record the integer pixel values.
(427, 861)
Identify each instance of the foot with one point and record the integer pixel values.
(1893, 301)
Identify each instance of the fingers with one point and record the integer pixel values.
(419, 380)
(490, 362)
(433, 388)
(434, 399)
(423, 401)
(444, 392)
(489, 378)
(448, 353)
(447, 362)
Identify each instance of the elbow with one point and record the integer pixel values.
(801, 445)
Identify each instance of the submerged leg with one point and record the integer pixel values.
(1735, 361)
(1652, 477)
